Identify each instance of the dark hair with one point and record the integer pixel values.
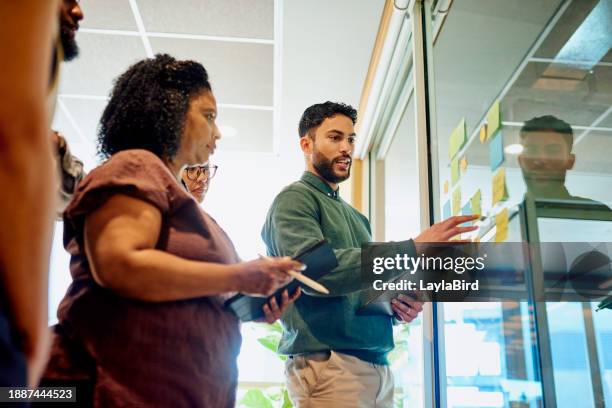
(550, 123)
(148, 106)
(314, 115)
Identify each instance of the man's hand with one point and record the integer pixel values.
(443, 231)
(406, 309)
(271, 309)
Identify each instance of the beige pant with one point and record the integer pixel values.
(336, 380)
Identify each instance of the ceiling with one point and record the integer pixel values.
(234, 39)
(487, 44)
(268, 60)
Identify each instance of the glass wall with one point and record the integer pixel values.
(401, 209)
(523, 108)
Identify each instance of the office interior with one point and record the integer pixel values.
(421, 73)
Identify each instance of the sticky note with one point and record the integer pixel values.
(454, 171)
(446, 211)
(456, 201)
(483, 133)
(501, 226)
(496, 151)
(500, 192)
(457, 139)
(463, 165)
(467, 210)
(493, 120)
(475, 203)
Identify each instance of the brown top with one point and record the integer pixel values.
(180, 353)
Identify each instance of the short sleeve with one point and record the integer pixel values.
(136, 173)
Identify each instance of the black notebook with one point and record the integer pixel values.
(319, 259)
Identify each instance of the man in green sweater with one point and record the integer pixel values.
(337, 358)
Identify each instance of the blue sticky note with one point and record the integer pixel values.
(446, 211)
(467, 210)
(496, 151)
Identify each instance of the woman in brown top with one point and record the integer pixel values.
(143, 316)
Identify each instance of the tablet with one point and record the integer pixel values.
(319, 259)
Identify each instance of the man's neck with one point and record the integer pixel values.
(311, 169)
(547, 188)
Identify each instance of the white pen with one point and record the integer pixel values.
(304, 279)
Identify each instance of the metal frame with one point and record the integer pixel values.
(420, 12)
(531, 211)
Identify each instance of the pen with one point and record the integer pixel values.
(304, 279)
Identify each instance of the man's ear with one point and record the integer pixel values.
(306, 144)
(571, 160)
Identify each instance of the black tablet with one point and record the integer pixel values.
(319, 259)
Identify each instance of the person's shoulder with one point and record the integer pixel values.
(355, 211)
(297, 188)
(136, 156)
(295, 195)
(133, 162)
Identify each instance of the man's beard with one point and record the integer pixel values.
(71, 49)
(325, 168)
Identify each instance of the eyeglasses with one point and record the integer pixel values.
(193, 172)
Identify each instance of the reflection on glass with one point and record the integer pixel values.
(580, 337)
(488, 351)
(551, 74)
(546, 157)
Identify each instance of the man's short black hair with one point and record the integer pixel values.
(149, 104)
(549, 123)
(314, 115)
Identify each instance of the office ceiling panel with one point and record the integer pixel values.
(227, 18)
(108, 15)
(241, 73)
(102, 59)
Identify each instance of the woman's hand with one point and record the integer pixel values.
(406, 309)
(262, 277)
(271, 309)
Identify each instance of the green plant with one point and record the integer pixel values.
(273, 397)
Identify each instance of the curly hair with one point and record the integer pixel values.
(148, 106)
(314, 115)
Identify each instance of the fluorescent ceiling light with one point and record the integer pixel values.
(514, 149)
(227, 131)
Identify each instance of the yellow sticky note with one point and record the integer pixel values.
(456, 201)
(463, 165)
(454, 171)
(445, 186)
(483, 133)
(500, 192)
(457, 139)
(501, 226)
(475, 203)
(493, 120)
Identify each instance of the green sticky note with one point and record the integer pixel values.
(456, 201)
(457, 139)
(454, 171)
(475, 202)
(493, 120)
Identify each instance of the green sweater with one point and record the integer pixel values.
(302, 214)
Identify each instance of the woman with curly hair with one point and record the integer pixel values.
(142, 322)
